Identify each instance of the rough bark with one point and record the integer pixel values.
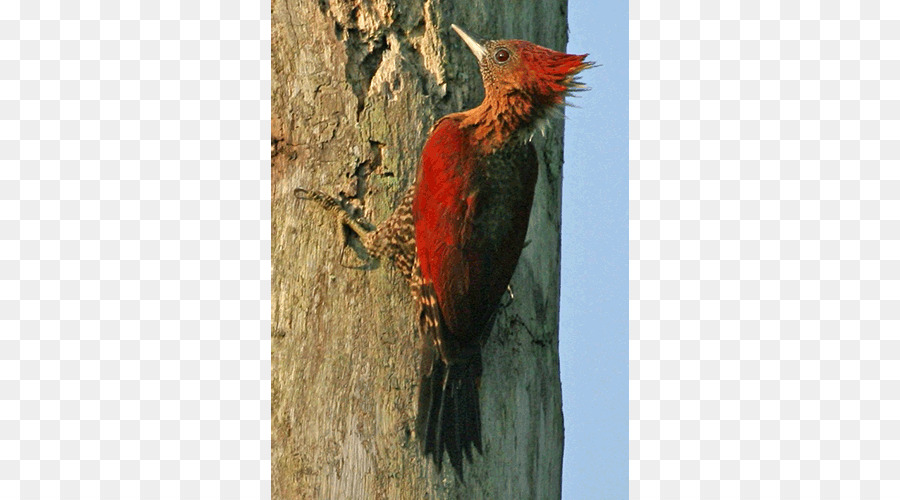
(355, 87)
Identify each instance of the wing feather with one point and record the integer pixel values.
(467, 253)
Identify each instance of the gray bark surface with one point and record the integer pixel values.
(355, 88)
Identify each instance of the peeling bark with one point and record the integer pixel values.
(355, 87)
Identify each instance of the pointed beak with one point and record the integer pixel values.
(474, 46)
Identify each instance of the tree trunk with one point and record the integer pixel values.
(355, 89)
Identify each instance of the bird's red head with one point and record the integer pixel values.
(523, 82)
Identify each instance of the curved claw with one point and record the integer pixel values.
(341, 258)
(367, 262)
(343, 216)
(329, 203)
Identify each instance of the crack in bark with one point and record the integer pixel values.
(364, 56)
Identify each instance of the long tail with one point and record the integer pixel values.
(449, 418)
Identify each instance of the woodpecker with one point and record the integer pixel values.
(458, 232)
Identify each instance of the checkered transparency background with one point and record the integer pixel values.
(134, 253)
(765, 250)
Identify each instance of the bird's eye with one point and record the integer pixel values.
(501, 56)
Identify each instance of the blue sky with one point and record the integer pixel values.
(594, 308)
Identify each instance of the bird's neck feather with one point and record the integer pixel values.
(505, 117)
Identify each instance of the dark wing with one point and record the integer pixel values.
(496, 226)
(471, 214)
